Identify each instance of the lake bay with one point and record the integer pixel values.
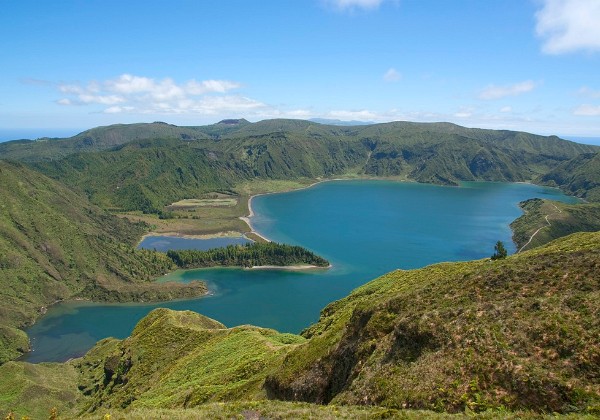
(365, 229)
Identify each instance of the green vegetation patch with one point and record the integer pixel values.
(33, 390)
(247, 255)
(182, 359)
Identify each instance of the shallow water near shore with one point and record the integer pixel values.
(364, 228)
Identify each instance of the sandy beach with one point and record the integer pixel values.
(228, 234)
(287, 267)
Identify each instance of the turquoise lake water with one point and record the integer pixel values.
(364, 228)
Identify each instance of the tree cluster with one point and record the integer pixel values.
(248, 255)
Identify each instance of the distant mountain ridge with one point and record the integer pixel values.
(147, 166)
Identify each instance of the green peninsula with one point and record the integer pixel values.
(248, 256)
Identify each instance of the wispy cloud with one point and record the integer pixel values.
(587, 110)
(569, 25)
(362, 115)
(497, 92)
(143, 95)
(392, 75)
(343, 5)
(589, 93)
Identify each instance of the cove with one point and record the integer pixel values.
(364, 228)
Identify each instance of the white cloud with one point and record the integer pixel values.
(86, 98)
(392, 75)
(590, 93)
(587, 110)
(463, 114)
(363, 115)
(569, 25)
(506, 109)
(143, 95)
(353, 4)
(497, 92)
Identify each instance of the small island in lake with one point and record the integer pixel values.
(268, 254)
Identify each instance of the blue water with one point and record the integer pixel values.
(165, 243)
(365, 229)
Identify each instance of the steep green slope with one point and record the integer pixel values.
(54, 245)
(144, 175)
(34, 390)
(147, 174)
(546, 220)
(523, 332)
(579, 176)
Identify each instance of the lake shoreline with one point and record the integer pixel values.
(246, 219)
(175, 234)
(288, 267)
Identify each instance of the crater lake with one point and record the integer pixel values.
(364, 228)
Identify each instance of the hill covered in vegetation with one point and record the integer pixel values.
(55, 244)
(579, 176)
(146, 167)
(522, 333)
(545, 220)
(99, 138)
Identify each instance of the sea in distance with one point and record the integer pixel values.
(364, 228)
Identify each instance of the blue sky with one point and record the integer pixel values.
(505, 64)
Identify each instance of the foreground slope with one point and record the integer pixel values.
(519, 333)
(55, 245)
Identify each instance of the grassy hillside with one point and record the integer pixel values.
(579, 176)
(150, 166)
(546, 220)
(516, 334)
(144, 175)
(55, 245)
(523, 332)
(181, 359)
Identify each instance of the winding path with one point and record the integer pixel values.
(536, 232)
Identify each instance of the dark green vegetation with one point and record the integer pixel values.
(146, 167)
(55, 244)
(249, 255)
(499, 251)
(521, 333)
(546, 220)
(579, 176)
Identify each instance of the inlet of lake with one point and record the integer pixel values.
(364, 228)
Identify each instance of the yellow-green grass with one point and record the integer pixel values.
(191, 203)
